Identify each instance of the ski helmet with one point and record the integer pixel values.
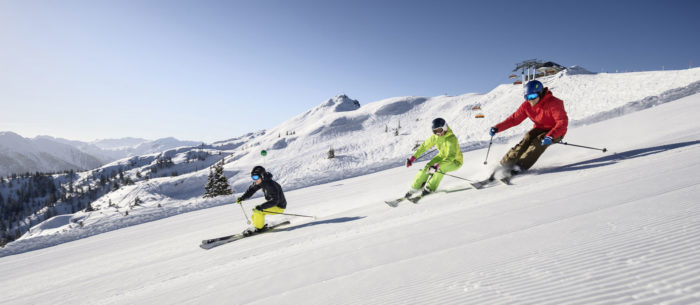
(439, 123)
(533, 87)
(259, 171)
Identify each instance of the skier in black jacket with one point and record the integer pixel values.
(274, 195)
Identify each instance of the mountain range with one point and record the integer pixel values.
(19, 155)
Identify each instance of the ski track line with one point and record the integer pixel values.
(530, 292)
(497, 276)
(595, 291)
(597, 256)
(569, 266)
(564, 276)
(514, 295)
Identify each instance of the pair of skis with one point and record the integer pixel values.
(215, 242)
(394, 203)
(473, 185)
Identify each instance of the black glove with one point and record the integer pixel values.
(259, 207)
(239, 200)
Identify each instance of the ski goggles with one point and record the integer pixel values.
(531, 96)
(438, 130)
(255, 177)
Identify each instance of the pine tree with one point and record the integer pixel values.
(222, 186)
(217, 183)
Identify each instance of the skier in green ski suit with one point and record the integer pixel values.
(449, 158)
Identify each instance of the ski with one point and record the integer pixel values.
(417, 198)
(480, 184)
(452, 190)
(394, 203)
(505, 180)
(215, 242)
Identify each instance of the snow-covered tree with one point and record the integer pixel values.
(217, 183)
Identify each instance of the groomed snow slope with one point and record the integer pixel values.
(583, 227)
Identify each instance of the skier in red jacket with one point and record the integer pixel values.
(551, 121)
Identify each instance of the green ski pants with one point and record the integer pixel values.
(432, 184)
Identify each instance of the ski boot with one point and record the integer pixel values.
(253, 230)
(410, 193)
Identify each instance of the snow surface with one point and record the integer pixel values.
(583, 227)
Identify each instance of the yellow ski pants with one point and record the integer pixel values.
(259, 216)
(432, 184)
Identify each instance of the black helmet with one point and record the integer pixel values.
(258, 170)
(439, 123)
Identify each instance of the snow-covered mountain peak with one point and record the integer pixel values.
(340, 103)
(575, 70)
(10, 135)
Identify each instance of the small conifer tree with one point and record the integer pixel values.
(217, 184)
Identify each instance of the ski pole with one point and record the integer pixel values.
(244, 214)
(465, 179)
(288, 214)
(601, 149)
(488, 150)
(425, 154)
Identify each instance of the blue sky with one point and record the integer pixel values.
(212, 70)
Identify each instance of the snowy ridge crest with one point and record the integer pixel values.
(340, 103)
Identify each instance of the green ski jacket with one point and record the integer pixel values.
(447, 145)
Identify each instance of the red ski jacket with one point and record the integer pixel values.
(548, 114)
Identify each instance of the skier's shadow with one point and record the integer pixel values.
(614, 158)
(322, 222)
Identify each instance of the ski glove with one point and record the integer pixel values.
(259, 208)
(239, 200)
(546, 141)
(434, 168)
(410, 160)
(493, 131)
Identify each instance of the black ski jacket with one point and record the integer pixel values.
(272, 190)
